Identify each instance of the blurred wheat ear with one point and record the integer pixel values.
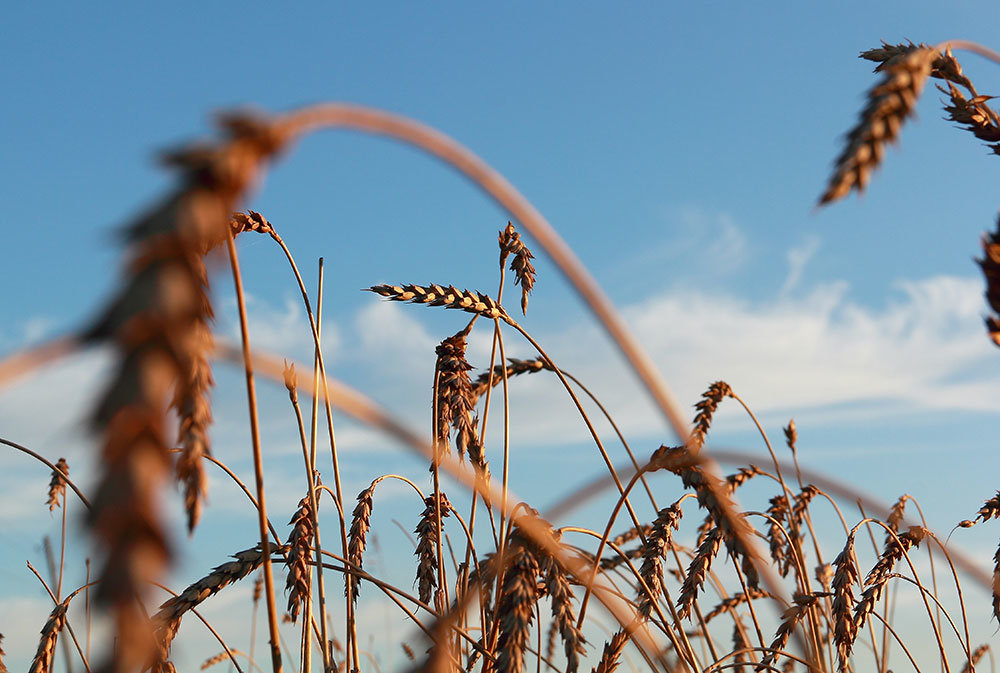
(158, 324)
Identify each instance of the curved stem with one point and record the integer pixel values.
(265, 542)
(434, 142)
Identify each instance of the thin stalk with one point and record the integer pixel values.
(265, 541)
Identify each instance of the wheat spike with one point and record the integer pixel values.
(42, 663)
(427, 538)
(890, 102)
(299, 556)
(449, 297)
(612, 653)
(57, 484)
(524, 272)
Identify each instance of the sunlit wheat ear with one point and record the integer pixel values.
(974, 114)
(890, 102)
(299, 555)
(977, 654)
(516, 608)
(449, 297)
(734, 601)
(168, 619)
(877, 579)
(360, 525)
(895, 517)
(157, 324)
(658, 540)
(990, 265)
(253, 221)
(42, 663)
(561, 597)
(612, 654)
(408, 651)
(455, 402)
(220, 657)
(989, 510)
(57, 485)
(427, 539)
(514, 367)
(781, 554)
(740, 477)
(698, 571)
(790, 619)
(520, 263)
(707, 406)
(845, 576)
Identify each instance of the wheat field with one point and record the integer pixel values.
(683, 556)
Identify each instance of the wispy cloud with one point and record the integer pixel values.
(798, 257)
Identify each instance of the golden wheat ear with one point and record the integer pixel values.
(890, 102)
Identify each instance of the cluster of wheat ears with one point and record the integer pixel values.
(739, 590)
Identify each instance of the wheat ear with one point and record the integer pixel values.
(890, 102)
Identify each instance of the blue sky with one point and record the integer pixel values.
(678, 149)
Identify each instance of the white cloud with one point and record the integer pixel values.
(798, 257)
